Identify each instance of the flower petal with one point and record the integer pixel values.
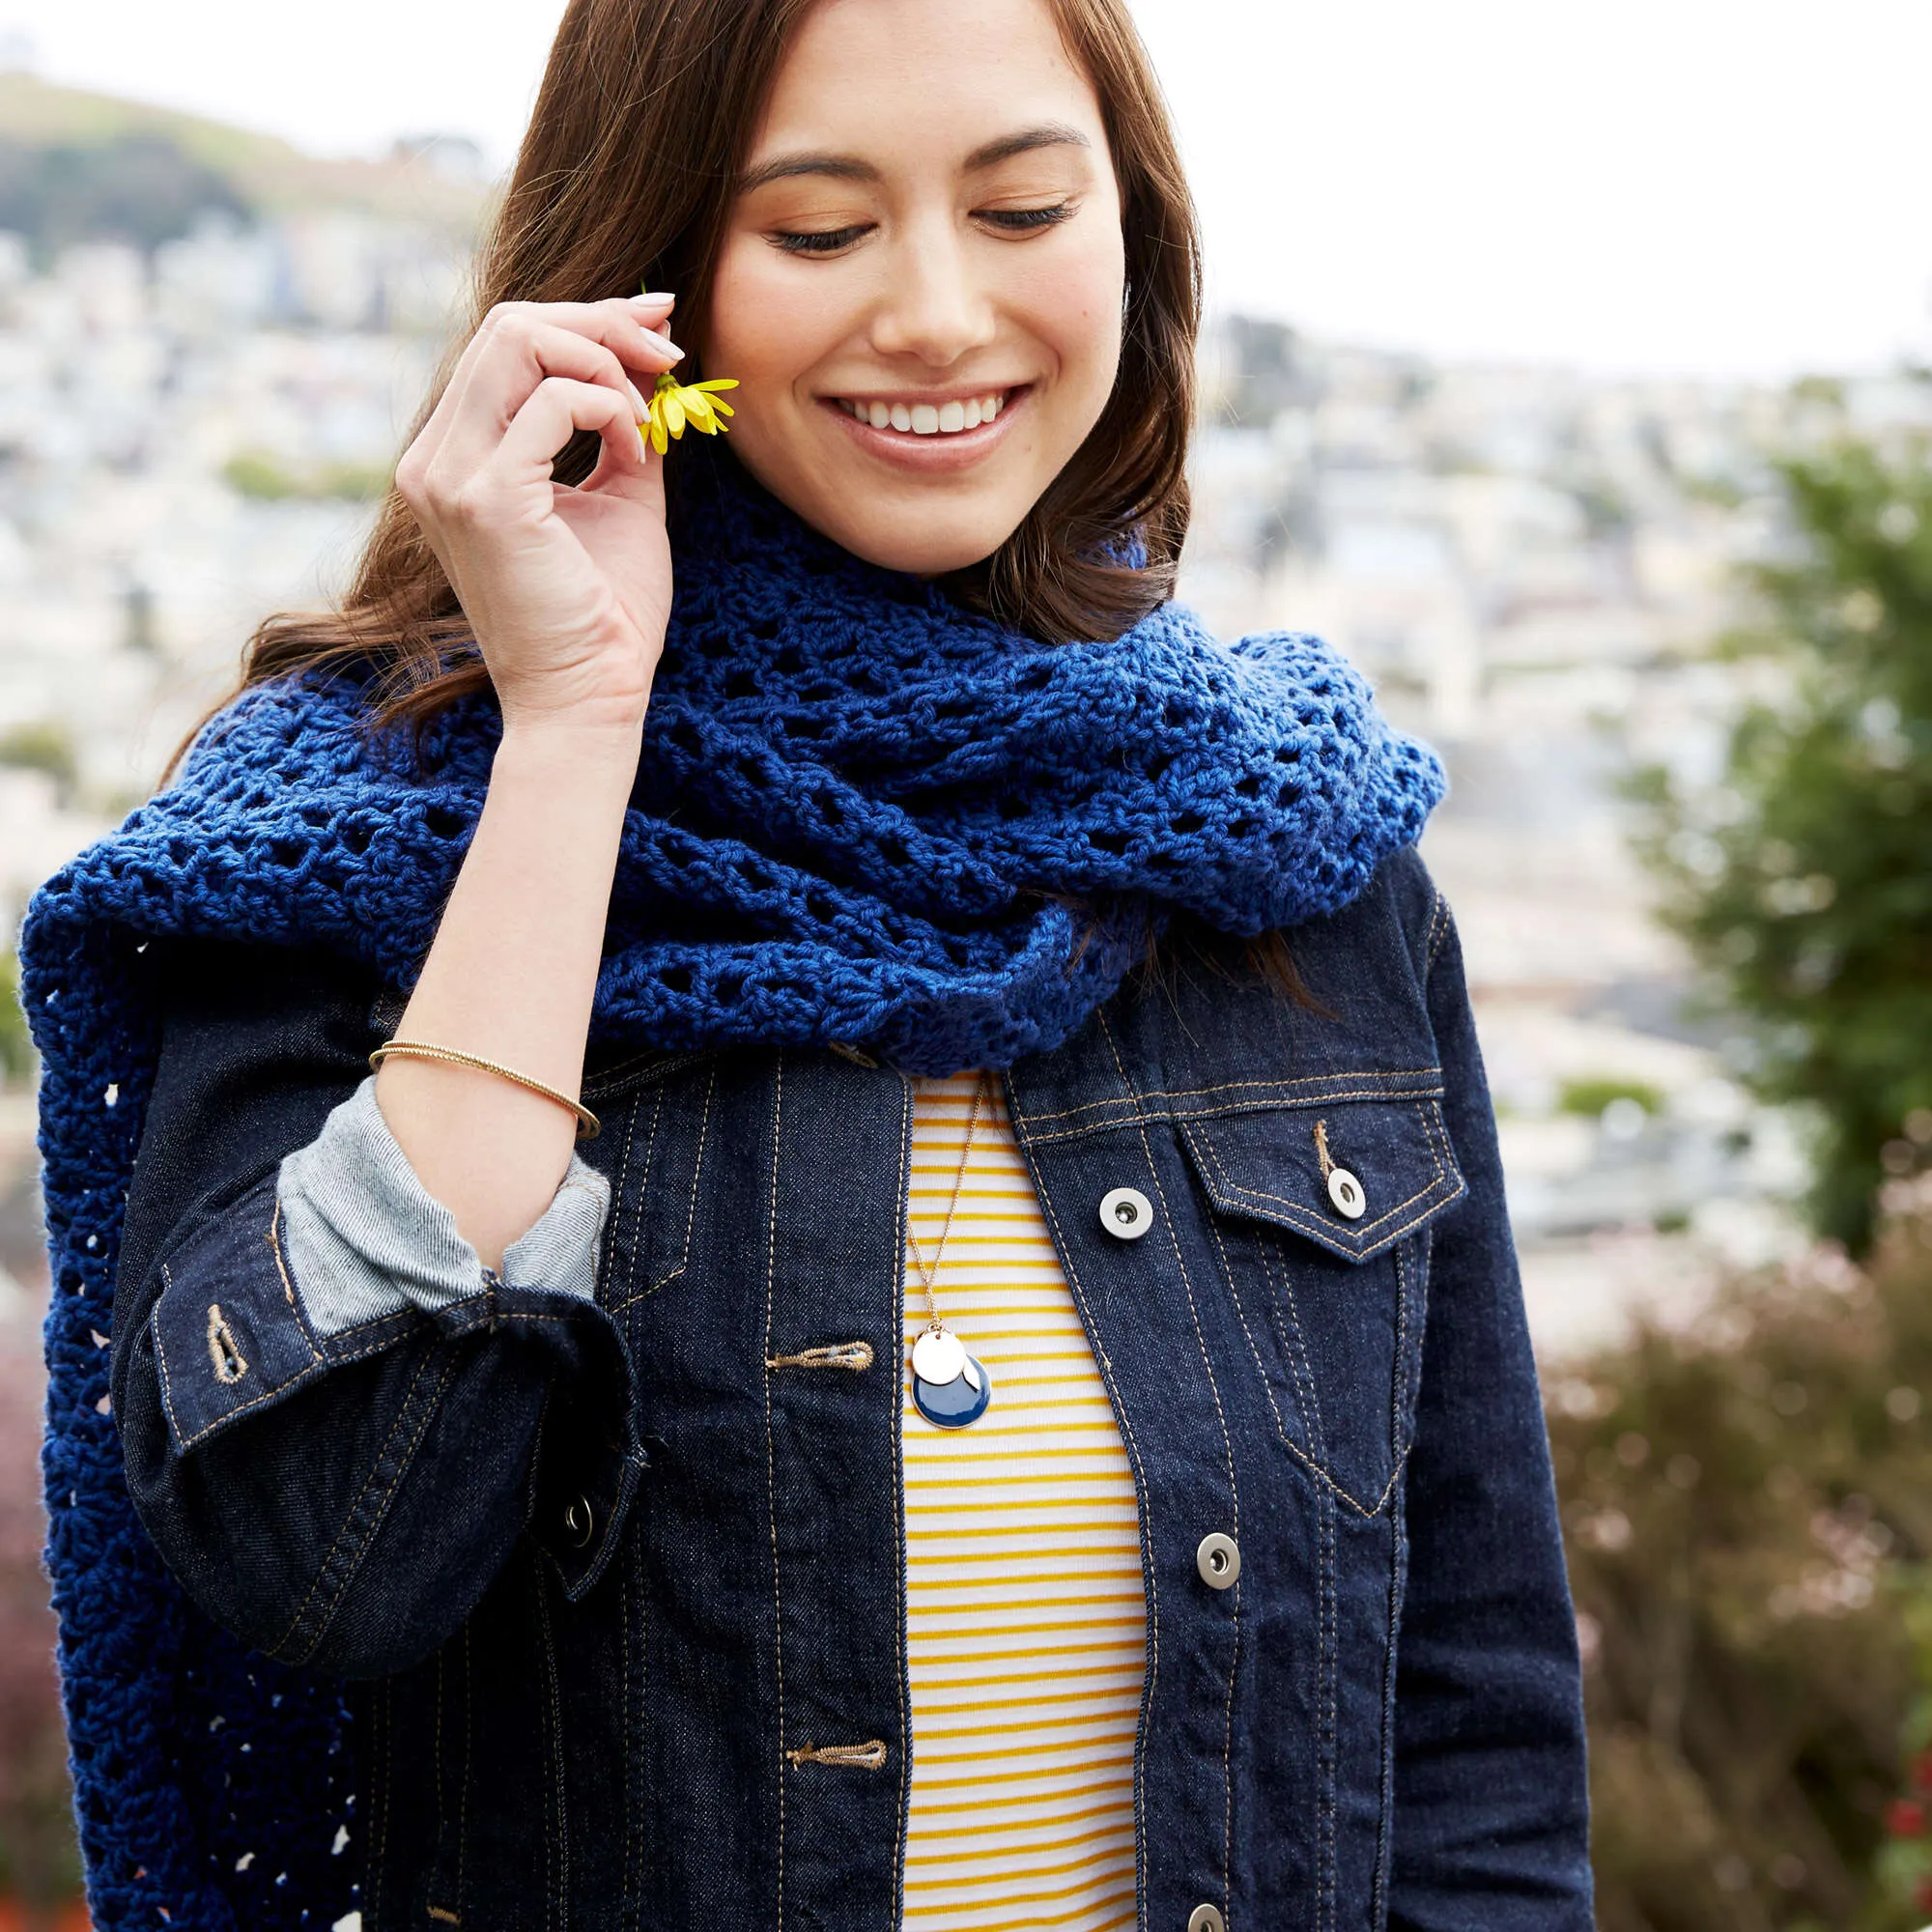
(673, 411)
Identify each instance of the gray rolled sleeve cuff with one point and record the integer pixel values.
(366, 1240)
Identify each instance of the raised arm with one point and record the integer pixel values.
(567, 592)
(344, 1303)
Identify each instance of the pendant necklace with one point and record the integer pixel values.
(949, 1387)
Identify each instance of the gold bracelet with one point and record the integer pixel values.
(588, 1123)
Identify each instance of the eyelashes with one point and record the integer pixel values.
(1026, 220)
(819, 242)
(1002, 220)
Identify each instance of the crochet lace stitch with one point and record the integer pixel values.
(861, 816)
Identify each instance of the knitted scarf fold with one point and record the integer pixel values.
(861, 816)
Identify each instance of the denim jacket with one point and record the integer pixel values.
(616, 1576)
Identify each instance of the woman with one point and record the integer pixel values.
(1020, 1414)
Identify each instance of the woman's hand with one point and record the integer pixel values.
(567, 588)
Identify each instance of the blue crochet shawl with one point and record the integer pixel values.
(861, 816)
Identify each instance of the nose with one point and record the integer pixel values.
(934, 307)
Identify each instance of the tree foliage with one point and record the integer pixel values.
(1803, 882)
(141, 189)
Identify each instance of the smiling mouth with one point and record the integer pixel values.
(948, 419)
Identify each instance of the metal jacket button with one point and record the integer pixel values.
(577, 1521)
(1219, 1562)
(1346, 1192)
(1126, 1214)
(1206, 1919)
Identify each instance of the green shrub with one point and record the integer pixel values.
(1747, 1506)
(17, 1046)
(43, 746)
(1590, 1094)
(266, 478)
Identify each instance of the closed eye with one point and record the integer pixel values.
(1025, 221)
(1006, 220)
(820, 240)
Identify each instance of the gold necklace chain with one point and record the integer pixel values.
(930, 1273)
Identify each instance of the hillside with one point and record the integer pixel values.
(74, 163)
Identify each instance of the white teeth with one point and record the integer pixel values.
(927, 418)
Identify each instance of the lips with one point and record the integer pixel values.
(947, 418)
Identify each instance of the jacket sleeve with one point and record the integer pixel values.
(336, 1423)
(1490, 1794)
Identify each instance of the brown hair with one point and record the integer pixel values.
(623, 181)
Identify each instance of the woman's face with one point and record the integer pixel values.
(921, 281)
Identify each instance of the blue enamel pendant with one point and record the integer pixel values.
(949, 1387)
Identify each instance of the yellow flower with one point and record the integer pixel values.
(673, 404)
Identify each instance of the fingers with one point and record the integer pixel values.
(629, 482)
(520, 342)
(516, 347)
(630, 329)
(505, 383)
(554, 412)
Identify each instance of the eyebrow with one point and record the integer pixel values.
(848, 167)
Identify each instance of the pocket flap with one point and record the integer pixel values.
(1269, 1166)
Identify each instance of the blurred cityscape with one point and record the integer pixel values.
(1532, 567)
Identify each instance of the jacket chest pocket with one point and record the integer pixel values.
(1320, 1217)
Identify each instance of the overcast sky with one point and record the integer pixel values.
(1712, 187)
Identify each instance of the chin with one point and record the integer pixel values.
(905, 526)
(920, 547)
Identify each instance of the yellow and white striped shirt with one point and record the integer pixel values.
(1025, 1615)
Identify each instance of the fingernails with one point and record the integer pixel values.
(665, 342)
(649, 301)
(642, 408)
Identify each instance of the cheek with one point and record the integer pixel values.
(1070, 300)
(768, 323)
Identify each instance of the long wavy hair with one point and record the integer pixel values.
(633, 155)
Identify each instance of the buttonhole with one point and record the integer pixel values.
(223, 1351)
(838, 1356)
